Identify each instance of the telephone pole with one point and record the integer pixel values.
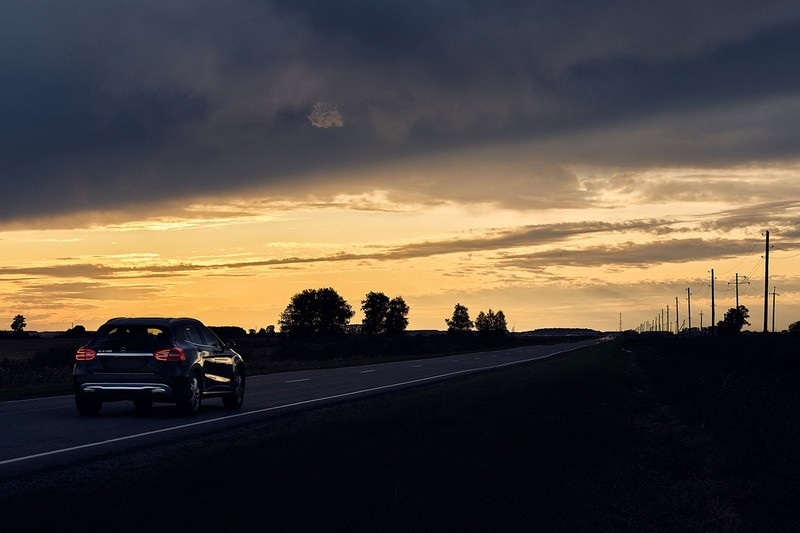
(713, 318)
(774, 294)
(744, 280)
(766, 282)
(669, 328)
(689, 300)
(677, 319)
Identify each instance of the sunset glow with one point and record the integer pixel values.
(227, 162)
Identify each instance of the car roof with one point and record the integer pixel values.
(154, 321)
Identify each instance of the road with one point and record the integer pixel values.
(44, 433)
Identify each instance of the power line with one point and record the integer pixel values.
(746, 256)
(787, 257)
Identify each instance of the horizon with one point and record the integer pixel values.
(564, 163)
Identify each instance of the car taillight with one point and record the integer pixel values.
(85, 354)
(170, 354)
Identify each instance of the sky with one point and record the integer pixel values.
(571, 163)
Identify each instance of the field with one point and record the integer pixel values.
(24, 349)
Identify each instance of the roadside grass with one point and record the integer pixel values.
(572, 443)
(743, 391)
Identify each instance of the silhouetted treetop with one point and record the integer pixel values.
(491, 324)
(460, 322)
(316, 313)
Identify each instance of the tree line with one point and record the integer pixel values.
(323, 313)
(735, 319)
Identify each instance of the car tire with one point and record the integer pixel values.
(143, 404)
(88, 406)
(190, 397)
(236, 397)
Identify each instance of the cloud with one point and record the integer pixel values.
(113, 105)
(146, 266)
(42, 293)
(630, 254)
(325, 115)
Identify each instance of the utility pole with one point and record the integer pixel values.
(744, 280)
(620, 322)
(774, 294)
(677, 318)
(689, 300)
(669, 328)
(713, 317)
(766, 282)
(701, 320)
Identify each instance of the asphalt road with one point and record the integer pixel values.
(44, 433)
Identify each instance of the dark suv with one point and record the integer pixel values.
(177, 360)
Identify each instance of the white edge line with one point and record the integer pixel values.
(274, 408)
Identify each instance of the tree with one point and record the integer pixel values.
(396, 316)
(18, 324)
(75, 332)
(316, 313)
(794, 328)
(375, 307)
(460, 321)
(382, 315)
(491, 324)
(733, 322)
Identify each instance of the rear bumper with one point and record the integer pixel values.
(109, 391)
(135, 390)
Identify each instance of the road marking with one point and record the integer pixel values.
(367, 371)
(297, 380)
(280, 407)
(416, 366)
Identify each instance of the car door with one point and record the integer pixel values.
(218, 364)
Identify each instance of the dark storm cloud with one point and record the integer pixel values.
(105, 104)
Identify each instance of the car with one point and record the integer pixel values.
(147, 360)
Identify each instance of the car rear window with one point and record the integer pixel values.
(131, 338)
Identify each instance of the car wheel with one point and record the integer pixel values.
(189, 400)
(88, 406)
(143, 404)
(236, 397)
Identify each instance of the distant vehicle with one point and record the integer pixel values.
(147, 360)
